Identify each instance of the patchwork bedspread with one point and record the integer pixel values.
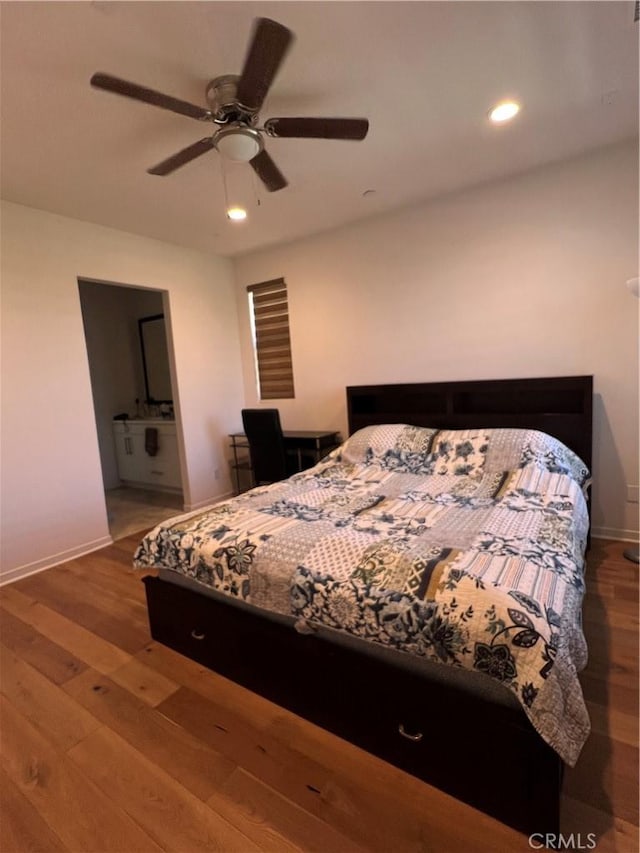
(464, 547)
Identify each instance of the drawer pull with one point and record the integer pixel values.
(417, 737)
(199, 635)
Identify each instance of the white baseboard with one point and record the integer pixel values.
(54, 560)
(615, 533)
(208, 501)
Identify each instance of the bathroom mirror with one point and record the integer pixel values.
(155, 359)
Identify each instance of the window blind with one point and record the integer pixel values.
(270, 316)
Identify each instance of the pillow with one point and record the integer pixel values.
(550, 453)
(418, 450)
(461, 452)
(371, 443)
(472, 452)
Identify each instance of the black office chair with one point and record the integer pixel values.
(269, 459)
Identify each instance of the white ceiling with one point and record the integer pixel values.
(423, 73)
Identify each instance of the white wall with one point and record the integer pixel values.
(519, 278)
(52, 493)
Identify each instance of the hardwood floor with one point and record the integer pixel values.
(111, 742)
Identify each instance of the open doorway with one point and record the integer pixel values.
(127, 348)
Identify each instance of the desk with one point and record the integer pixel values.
(311, 443)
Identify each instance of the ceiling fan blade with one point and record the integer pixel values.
(268, 47)
(318, 128)
(185, 156)
(149, 96)
(268, 172)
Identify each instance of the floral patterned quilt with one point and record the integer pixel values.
(463, 547)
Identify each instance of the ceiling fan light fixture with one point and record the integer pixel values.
(504, 111)
(240, 144)
(236, 214)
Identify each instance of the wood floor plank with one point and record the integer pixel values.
(103, 565)
(339, 799)
(612, 834)
(181, 669)
(229, 734)
(198, 767)
(143, 681)
(127, 546)
(606, 770)
(613, 724)
(76, 603)
(125, 597)
(58, 664)
(176, 819)
(95, 651)
(616, 570)
(114, 592)
(361, 779)
(615, 654)
(615, 673)
(76, 810)
(64, 721)
(250, 708)
(16, 602)
(317, 756)
(622, 697)
(22, 828)
(266, 807)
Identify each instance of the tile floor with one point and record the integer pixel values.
(132, 510)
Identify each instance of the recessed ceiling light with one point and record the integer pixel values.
(236, 214)
(504, 112)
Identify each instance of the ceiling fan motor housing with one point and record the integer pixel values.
(223, 102)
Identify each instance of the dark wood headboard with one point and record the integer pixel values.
(560, 406)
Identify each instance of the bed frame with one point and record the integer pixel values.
(442, 732)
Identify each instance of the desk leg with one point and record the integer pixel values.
(235, 466)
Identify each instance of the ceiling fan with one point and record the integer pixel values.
(234, 103)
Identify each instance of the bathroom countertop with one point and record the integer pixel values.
(153, 421)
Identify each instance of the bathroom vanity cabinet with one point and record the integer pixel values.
(136, 467)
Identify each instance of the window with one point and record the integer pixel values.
(272, 344)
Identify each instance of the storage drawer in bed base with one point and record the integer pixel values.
(452, 739)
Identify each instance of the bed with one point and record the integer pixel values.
(418, 592)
